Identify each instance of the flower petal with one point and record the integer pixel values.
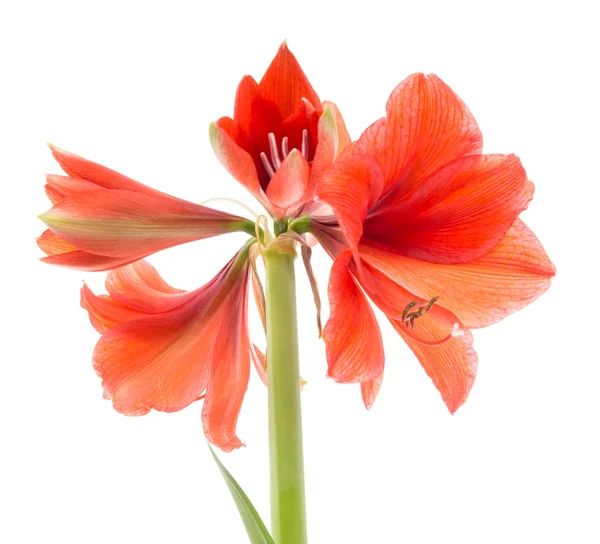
(329, 143)
(229, 379)
(61, 253)
(166, 361)
(480, 292)
(60, 187)
(236, 161)
(132, 225)
(104, 312)
(370, 390)
(428, 127)
(161, 362)
(351, 187)
(78, 167)
(140, 287)
(285, 83)
(458, 214)
(352, 338)
(414, 313)
(290, 182)
(452, 366)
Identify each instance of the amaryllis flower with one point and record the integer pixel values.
(102, 219)
(163, 348)
(281, 137)
(427, 227)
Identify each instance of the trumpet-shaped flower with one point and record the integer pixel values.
(101, 219)
(163, 348)
(281, 137)
(427, 227)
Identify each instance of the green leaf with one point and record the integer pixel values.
(254, 525)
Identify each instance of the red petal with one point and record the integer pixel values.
(333, 139)
(452, 366)
(131, 225)
(482, 291)
(79, 167)
(350, 188)
(236, 161)
(428, 127)
(285, 83)
(372, 142)
(352, 337)
(290, 182)
(458, 214)
(246, 94)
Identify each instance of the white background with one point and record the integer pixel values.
(134, 86)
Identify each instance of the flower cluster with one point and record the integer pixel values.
(416, 219)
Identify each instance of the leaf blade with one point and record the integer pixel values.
(256, 529)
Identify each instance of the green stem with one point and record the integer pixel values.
(288, 513)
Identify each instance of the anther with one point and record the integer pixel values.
(457, 331)
(267, 164)
(274, 151)
(305, 144)
(284, 147)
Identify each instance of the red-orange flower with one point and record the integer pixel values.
(281, 137)
(428, 228)
(163, 348)
(101, 219)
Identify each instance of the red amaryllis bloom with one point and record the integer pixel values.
(428, 228)
(281, 137)
(102, 219)
(163, 348)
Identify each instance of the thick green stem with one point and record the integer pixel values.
(288, 512)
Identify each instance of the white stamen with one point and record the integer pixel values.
(457, 331)
(267, 164)
(274, 151)
(284, 147)
(305, 144)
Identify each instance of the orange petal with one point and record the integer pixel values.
(78, 167)
(370, 390)
(62, 253)
(458, 214)
(352, 338)
(480, 292)
(60, 187)
(132, 225)
(452, 366)
(290, 182)
(166, 361)
(285, 83)
(104, 312)
(139, 286)
(351, 187)
(228, 380)
(428, 127)
(399, 304)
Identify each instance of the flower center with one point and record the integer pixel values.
(271, 166)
